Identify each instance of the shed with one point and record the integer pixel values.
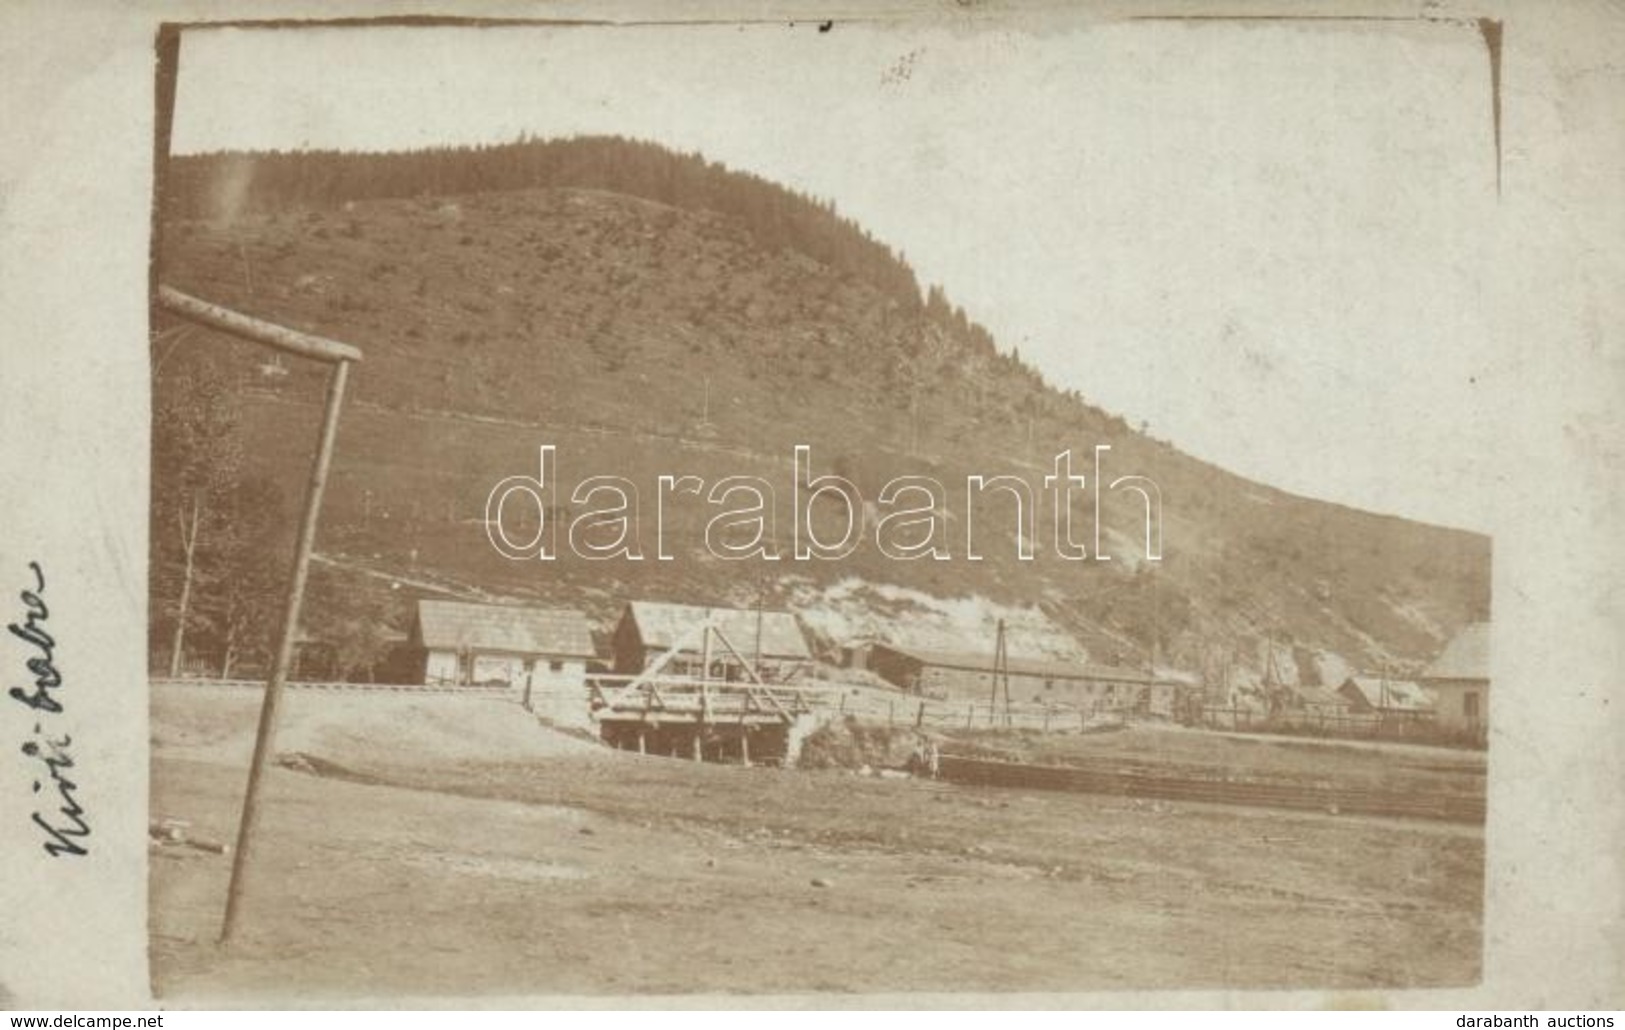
(466, 643)
(1387, 696)
(770, 640)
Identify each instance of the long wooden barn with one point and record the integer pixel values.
(969, 676)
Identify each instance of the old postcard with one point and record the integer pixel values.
(968, 507)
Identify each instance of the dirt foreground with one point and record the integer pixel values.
(451, 847)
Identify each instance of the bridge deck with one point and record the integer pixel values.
(678, 700)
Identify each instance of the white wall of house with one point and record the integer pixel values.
(1461, 704)
(499, 668)
(441, 668)
(555, 673)
(446, 668)
(558, 691)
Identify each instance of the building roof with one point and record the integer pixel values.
(663, 625)
(1319, 697)
(1394, 695)
(461, 626)
(1467, 657)
(1047, 668)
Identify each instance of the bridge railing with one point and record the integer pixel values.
(865, 701)
(691, 694)
(897, 709)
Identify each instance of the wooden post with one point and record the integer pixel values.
(265, 737)
(1001, 672)
(643, 744)
(744, 744)
(705, 676)
(699, 752)
(340, 356)
(919, 719)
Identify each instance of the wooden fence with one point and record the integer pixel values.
(876, 705)
(829, 699)
(1129, 780)
(937, 713)
(1416, 727)
(334, 685)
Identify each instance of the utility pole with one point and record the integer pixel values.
(1156, 623)
(1001, 670)
(339, 357)
(1382, 695)
(705, 427)
(761, 602)
(1272, 685)
(700, 726)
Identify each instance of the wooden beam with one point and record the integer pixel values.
(670, 718)
(705, 672)
(649, 672)
(784, 713)
(282, 661)
(280, 337)
(737, 656)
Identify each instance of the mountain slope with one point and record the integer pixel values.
(645, 338)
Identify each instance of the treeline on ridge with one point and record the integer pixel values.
(230, 182)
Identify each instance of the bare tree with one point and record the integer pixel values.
(197, 458)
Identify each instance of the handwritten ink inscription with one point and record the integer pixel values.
(63, 825)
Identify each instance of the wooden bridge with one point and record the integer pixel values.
(717, 713)
(699, 718)
(698, 700)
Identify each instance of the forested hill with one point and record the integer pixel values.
(227, 184)
(651, 312)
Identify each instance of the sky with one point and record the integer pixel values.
(1265, 241)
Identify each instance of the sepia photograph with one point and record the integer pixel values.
(928, 505)
(884, 506)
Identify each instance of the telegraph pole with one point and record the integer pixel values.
(1001, 669)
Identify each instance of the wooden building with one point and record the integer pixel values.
(1401, 699)
(968, 676)
(770, 641)
(1459, 680)
(462, 643)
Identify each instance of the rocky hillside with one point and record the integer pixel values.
(707, 336)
